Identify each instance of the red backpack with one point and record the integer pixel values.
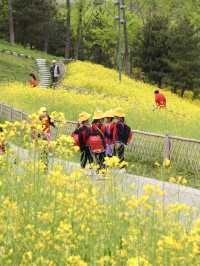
(96, 144)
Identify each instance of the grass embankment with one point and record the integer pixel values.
(14, 68)
(103, 91)
(180, 118)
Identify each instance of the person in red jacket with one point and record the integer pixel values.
(83, 132)
(109, 127)
(160, 99)
(122, 135)
(96, 139)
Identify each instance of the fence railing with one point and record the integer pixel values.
(146, 146)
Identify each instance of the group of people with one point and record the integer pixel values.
(55, 75)
(107, 135)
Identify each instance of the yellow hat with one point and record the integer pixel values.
(98, 115)
(43, 109)
(84, 116)
(119, 113)
(109, 114)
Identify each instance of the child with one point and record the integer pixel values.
(33, 81)
(83, 132)
(46, 124)
(96, 140)
(122, 135)
(109, 132)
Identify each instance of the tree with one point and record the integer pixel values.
(99, 38)
(68, 30)
(154, 49)
(184, 56)
(11, 22)
(79, 28)
(33, 22)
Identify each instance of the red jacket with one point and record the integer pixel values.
(160, 100)
(109, 130)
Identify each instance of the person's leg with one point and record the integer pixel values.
(89, 155)
(83, 159)
(102, 159)
(121, 150)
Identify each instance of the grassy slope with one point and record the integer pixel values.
(180, 118)
(17, 68)
(101, 90)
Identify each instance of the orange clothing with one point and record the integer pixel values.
(45, 124)
(33, 83)
(160, 100)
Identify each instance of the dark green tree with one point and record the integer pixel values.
(154, 48)
(184, 56)
(33, 22)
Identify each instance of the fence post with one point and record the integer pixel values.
(1, 109)
(167, 148)
(11, 113)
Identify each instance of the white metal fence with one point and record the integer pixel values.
(146, 146)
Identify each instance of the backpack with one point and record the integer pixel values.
(96, 144)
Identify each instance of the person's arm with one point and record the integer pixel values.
(58, 70)
(81, 139)
(51, 123)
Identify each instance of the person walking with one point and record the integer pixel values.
(46, 124)
(122, 134)
(45, 135)
(81, 136)
(109, 132)
(96, 139)
(55, 73)
(160, 99)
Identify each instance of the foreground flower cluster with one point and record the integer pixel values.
(78, 218)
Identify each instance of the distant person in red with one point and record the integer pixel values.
(33, 81)
(160, 99)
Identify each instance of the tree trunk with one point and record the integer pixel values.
(79, 28)
(11, 22)
(46, 43)
(126, 50)
(68, 30)
(182, 92)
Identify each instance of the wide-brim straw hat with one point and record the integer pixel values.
(109, 114)
(42, 110)
(98, 115)
(84, 116)
(119, 112)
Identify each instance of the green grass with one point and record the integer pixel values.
(14, 68)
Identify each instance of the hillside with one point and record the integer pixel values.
(18, 68)
(89, 87)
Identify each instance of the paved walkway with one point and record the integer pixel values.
(173, 193)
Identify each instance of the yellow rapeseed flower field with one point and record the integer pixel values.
(55, 218)
(92, 87)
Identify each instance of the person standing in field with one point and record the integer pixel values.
(160, 99)
(122, 135)
(81, 136)
(109, 132)
(33, 81)
(97, 139)
(46, 124)
(55, 73)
